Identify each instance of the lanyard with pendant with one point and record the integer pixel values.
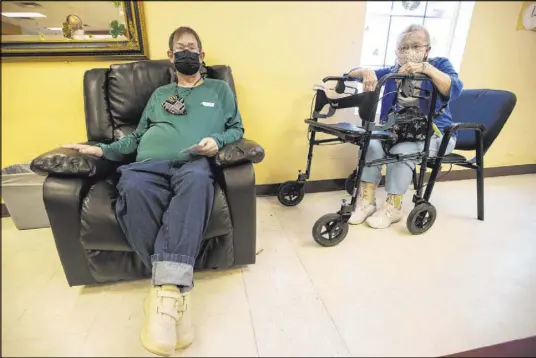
(175, 104)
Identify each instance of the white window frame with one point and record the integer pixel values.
(459, 29)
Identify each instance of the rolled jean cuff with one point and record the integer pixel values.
(172, 269)
(371, 175)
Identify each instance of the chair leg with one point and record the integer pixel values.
(480, 175)
(480, 192)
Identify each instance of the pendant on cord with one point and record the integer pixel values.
(175, 105)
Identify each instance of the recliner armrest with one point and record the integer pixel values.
(71, 163)
(239, 152)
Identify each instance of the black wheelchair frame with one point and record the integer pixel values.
(331, 229)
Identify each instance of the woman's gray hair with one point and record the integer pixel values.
(415, 28)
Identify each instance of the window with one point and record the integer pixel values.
(447, 22)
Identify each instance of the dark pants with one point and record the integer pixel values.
(163, 208)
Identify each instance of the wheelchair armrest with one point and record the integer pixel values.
(63, 162)
(239, 152)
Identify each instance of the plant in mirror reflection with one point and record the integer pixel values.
(117, 29)
(67, 31)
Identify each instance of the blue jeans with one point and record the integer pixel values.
(163, 208)
(399, 175)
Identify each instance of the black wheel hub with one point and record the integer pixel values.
(332, 229)
(291, 193)
(422, 219)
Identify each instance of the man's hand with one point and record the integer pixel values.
(85, 149)
(414, 67)
(209, 147)
(369, 80)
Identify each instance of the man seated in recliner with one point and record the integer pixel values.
(166, 195)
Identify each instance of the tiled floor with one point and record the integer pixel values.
(463, 285)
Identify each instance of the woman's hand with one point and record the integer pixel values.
(85, 149)
(369, 80)
(441, 80)
(415, 67)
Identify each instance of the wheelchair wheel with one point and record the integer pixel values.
(421, 218)
(330, 230)
(350, 183)
(290, 193)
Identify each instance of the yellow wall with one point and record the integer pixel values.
(277, 52)
(497, 56)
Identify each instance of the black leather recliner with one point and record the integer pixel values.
(80, 193)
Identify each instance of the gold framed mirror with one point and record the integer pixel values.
(73, 30)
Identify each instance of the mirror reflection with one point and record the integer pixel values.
(63, 21)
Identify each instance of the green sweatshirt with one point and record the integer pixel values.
(211, 112)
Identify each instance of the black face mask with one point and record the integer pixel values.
(186, 62)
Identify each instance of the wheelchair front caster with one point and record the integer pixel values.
(291, 193)
(421, 218)
(330, 230)
(350, 182)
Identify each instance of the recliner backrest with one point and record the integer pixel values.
(488, 107)
(115, 98)
(129, 88)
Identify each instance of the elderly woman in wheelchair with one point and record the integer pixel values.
(415, 127)
(412, 57)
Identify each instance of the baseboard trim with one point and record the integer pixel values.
(317, 186)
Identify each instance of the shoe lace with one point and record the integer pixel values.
(362, 202)
(387, 209)
(361, 205)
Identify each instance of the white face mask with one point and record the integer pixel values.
(410, 56)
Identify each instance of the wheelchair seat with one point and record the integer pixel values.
(454, 158)
(451, 158)
(345, 129)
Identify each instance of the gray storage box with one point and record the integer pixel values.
(22, 192)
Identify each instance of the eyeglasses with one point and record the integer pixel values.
(415, 47)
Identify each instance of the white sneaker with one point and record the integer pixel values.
(159, 333)
(363, 210)
(384, 217)
(185, 326)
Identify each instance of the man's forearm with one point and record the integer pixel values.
(117, 150)
(231, 135)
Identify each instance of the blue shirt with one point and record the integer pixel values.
(456, 87)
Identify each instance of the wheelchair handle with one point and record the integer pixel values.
(340, 87)
(400, 76)
(335, 78)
